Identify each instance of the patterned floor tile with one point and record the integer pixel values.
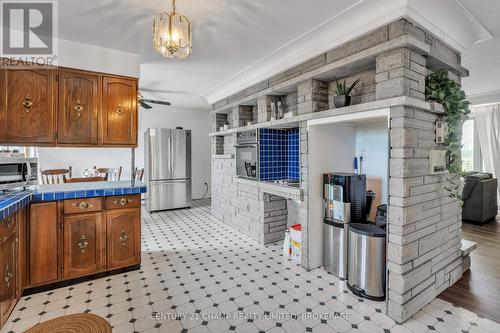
(200, 275)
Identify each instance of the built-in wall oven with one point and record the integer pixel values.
(247, 154)
(18, 172)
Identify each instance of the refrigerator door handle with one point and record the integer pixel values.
(169, 142)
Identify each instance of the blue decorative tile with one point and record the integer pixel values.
(90, 193)
(48, 196)
(279, 154)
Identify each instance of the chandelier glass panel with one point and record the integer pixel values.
(172, 34)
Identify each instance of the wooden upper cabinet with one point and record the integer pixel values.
(119, 111)
(78, 106)
(27, 112)
(84, 244)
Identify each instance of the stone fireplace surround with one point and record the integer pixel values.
(424, 229)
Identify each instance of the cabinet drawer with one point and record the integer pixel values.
(82, 205)
(123, 201)
(8, 225)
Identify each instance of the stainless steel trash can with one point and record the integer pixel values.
(367, 261)
(335, 247)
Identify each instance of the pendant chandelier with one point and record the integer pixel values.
(172, 34)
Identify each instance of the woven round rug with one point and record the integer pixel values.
(74, 323)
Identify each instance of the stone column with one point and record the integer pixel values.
(400, 72)
(312, 96)
(424, 230)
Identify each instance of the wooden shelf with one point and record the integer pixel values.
(358, 108)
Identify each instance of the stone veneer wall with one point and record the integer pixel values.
(424, 232)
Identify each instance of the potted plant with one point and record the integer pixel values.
(343, 93)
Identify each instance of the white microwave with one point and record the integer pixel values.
(18, 172)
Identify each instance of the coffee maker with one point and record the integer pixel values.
(344, 197)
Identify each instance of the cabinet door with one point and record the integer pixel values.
(8, 274)
(119, 112)
(123, 237)
(78, 104)
(22, 248)
(27, 111)
(42, 245)
(83, 247)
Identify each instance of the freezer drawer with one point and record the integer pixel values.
(169, 194)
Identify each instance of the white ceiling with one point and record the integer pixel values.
(229, 36)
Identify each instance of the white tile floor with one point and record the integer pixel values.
(199, 275)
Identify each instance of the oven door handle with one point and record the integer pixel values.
(28, 172)
(246, 145)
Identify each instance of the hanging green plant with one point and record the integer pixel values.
(440, 88)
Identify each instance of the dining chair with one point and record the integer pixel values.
(110, 174)
(55, 176)
(138, 174)
(84, 180)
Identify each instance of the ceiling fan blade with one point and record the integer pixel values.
(144, 105)
(154, 101)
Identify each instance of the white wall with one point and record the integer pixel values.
(372, 141)
(159, 116)
(99, 59)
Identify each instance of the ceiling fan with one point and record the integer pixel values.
(144, 102)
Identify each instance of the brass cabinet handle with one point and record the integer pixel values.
(7, 276)
(122, 201)
(82, 244)
(8, 223)
(123, 237)
(82, 205)
(27, 103)
(119, 110)
(78, 108)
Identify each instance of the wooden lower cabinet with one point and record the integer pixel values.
(123, 237)
(84, 239)
(54, 241)
(10, 283)
(43, 243)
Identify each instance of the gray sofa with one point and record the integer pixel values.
(480, 198)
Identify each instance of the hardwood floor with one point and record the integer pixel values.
(479, 288)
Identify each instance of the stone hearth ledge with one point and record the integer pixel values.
(287, 192)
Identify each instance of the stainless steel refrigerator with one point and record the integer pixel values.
(167, 167)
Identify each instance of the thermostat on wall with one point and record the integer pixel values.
(441, 131)
(437, 162)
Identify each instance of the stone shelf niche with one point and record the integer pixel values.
(424, 254)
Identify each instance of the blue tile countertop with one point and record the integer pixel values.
(13, 201)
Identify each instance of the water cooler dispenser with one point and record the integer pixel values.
(344, 197)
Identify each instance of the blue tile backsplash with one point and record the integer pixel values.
(279, 154)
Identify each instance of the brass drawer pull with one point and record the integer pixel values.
(27, 103)
(7, 276)
(8, 223)
(123, 237)
(83, 205)
(122, 201)
(78, 108)
(82, 244)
